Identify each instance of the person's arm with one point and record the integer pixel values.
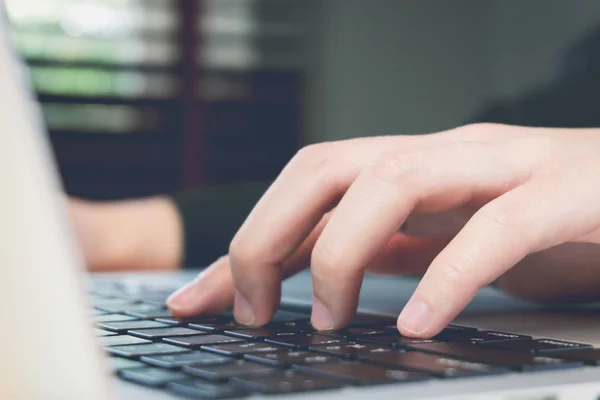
(189, 229)
(144, 234)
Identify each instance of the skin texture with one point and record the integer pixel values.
(480, 204)
(128, 235)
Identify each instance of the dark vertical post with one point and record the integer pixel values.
(192, 135)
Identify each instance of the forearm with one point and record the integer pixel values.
(142, 234)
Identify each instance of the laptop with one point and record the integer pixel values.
(68, 335)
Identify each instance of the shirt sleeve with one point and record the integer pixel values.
(211, 216)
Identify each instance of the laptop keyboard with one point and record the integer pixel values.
(213, 357)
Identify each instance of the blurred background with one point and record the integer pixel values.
(156, 96)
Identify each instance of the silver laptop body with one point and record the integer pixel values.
(48, 350)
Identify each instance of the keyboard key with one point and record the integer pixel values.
(392, 341)
(261, 333)
(542, 346)
(442, 366)
(144, 310)
(371, 320)
(138, 350)
(224, 372)
(458, 328)
(481, 337)
(186, 321)
(175, 361)
(154, 377)
(284, 382)
(353, 333)
(216, 326)
(121, 340)
(158, 333)
(114, 318)
(588, 356)
(130, 325)
(197, 389)
(303, 341)
(289, 316)
(102, 332)
(494, 356)
(119, 364)
(106, 303)
(287, 359)
(202, 340)
(358, 373)
(351, 350)
(239, 349)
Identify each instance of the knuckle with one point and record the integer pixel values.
(317, 161)
(242, 253)
(314, 156)
(500, 217)
(326, 262)
(398, 166)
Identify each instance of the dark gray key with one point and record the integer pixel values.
(356, 332)
(542, 346)
(216, 326)
(175, 361)
(480, 337)
(154, 377)
(392, 341)
(119, 364)
(102, 332)
(202, 340)
(490, 355)
(158, 333)
(287, 359)
(359, 373)
(125, 326)
(114, 318)
(186, 321)
(303, 341)
(107, 303)
(239, 349)
(588, 356)
(198, 389)
(261, 333)
(144, 310)
(284, 382)
(289, 316)
(439, 365)
(371, 320)
(138, 350)
(351, 350)
(121, 340)
(223, 372)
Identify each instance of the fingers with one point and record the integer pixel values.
(542, 213)
(308, 187)
(213, 290)
(400, 182)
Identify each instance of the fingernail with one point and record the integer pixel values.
(416, 317)
(243, 309)
(181, 297)
(321, 316)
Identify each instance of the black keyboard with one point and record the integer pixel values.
(213, 357)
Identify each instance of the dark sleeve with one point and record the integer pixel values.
(211, 216)
(569, 99)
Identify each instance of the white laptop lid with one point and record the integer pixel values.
(47, 347)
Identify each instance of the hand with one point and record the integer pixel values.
(341, 206)
(128, 235)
